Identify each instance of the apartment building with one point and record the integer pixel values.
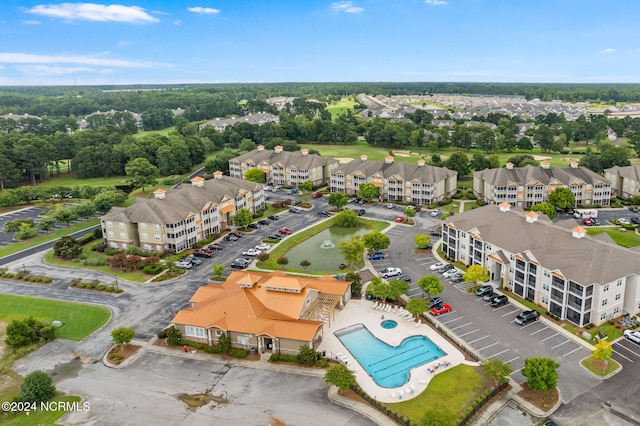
(625, 181)
(397, 181)
(176, 219)
(531, 185)
(284, 168)
(577, 277)
(219, 124)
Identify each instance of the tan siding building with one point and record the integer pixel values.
(625, 180)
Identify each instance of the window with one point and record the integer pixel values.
(546, 273)
(109, 223)
(218, 333)
(618, 296)
(144, 236)
(157, 237)
(604, 302)
(606, 287)
(194, 331)
(123, 235)
(110, 234)
(156, 227)
(143, 226)
(545, 287)
(619, 283)
(603, 316)
(121, 225)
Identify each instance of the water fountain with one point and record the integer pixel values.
(327, 244)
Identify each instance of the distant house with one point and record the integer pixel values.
(220, 124)
(267, 311)
(625, 180)
(283, 167)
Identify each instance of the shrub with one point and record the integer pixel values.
(173, 336)
(274, 358)
(37, 387)
(263, 256)
(238, 353)
(47, 280)
(101, 287)
(162, 334)
(153, 269)
(109, 289)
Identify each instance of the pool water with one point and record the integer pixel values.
(389, 366)
(388, 324)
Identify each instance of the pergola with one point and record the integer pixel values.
(322, 308)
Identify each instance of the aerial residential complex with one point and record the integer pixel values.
(625, 180)
(176, 219)
(284, 167)
(530, 185)
(576, 277)
(261, 118)
(266, 311)
(401, 181)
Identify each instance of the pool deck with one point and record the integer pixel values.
(362, 311)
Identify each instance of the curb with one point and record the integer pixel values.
(358, 407)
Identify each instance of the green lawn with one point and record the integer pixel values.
(339, 107)
(163, 132)
(452, 391)
(588, 363)
(627, 238)
(42, 417)
(71, 181)
(78, 320)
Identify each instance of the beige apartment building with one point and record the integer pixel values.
(176, 219)
(625, 181)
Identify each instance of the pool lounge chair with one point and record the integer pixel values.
(400, 393)
(394, 395)
(401, 311)
(413, 388)
(419, 322)
(408, 391)
(388, 308)
(411, 319)
(408, 315)
(375, 305)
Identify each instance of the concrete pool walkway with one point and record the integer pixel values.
(361, 311)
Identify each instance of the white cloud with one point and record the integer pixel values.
(177, 22)
(45, 70)
(435, 2)
(607, 50)
(94, 12)
(124, 43)
(204, 10)
(27, 58)
(346, 7)
(31, 22)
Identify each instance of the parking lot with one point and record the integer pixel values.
(626, 352)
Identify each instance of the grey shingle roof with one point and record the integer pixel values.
(584, 260)
(179, 202)
(403, 169)
(628, 172)
(286, 158)
(531, 174)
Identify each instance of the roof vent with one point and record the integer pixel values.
(578, 232)
(574, 164)
(532, 217)
(388, 159)
(545, 164)
(304, 151)
(217, 174)
(260, 147)
(363, 157)
(420, 163)
(159, 194)
(197, 181)
(504, 206)
(509, 165)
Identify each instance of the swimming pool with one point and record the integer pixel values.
(388, 324)
(388, 365)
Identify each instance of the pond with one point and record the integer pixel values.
(322, 249)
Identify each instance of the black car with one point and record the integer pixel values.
(635, 220)
(435, 234)
(254, 226)
(274, 217)
(214, 246)
(264, 222)
(435, 301)
(276, 236)
(240, 263)
(324, 213)
(487, 297)
(405, 278)
(297, 203)
(633, 209)
(499, 301)
(526, 316)
(360, 212)
(230, 237)
(595, 222)
(446, 268)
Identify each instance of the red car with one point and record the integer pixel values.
(441, 309)
(285, 231)
(317, 195)
(400, 219)
(202, 253)
(587, 222)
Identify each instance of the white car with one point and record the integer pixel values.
(451, 272)
(263, 246)
(184, 264)
(390, 206)
(634, 336)
(436, 213)
(251, 252)
(390, 272)
(624, 221)
(436, 266)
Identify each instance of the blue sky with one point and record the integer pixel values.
(127, 42)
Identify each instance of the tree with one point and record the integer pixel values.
(397, 288)
(337, 200)
(122, 336)
(254, 175)
(26, 231)
(174, 336)
(356, 282)
(67, 248)
(545, 208)
(64, 215)
(243, 218)
(352, 250)
(282, 261)
(247, 145)
(409, 212)
(46, 223)
(347, 218)
(375, 241)
(305, 189)
(422, 241)
(496, 369)
(340, 376)
(431, 285)
(541, 373)
(37, 387)
(368, 191)
(307, 355)
(475, 274)
(141, 172)
(218, 270)
(544, 137)
(458, 162)
(417, 306)
(84, 210)
(105, 200)
(224, 343)
(562, 198)
(305, 264)
(20, 333)
(602, 352)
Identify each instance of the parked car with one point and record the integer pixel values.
(296, 210)
(253, 226)
(441, 309)
(390, 272)
(193, 260)
(274, 217)
(399, 219)
(405, 278)
(276, 188)
(184, 264)
(526, 316)
(436, 213)
(456, 278)
(317, 195)
(417, 208)
(450, 273)
(275, 236)
(214, 246)
(635, 220)
(587, 221)
(390, 205)
(285, 231)
(595, 221)
(292, 191)
(263, 222)
(360, 212)
(263, 246)
(436, 234)
(377, 256)
(436, 266)
(484, 290)
(489, 295)
(230, 237)
(240, 263)
(251, 252)
(634, 336)
(202, 253)
(324, 213)
(499, 300)
(297, 202)
(624, 221)
(633, 209)
(435, 301)
(446, 268)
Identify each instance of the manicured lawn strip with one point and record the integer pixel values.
(339, 107)
(588, 363)
(163, 132)
(354, 151)
(71, 181)
(613, 332)
(42, 417)
(627, 239)
(40, 239)
(450, 391)
(295, 239)
(78, 320)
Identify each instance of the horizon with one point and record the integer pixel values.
(347, 41)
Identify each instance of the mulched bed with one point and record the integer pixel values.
(542, 400)
(118, 354)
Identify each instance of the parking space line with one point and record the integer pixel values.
(511, 360)
(460, 326)
(624, 347)
(566, 341)
(462, 335)
(473, 341)
(628, 359)
(499, 353)
(516, 371)
(501, 307)
(488, 346)
(567, 354)
(511, 312)
(550, 337)
(535, 332)
(456, 319)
